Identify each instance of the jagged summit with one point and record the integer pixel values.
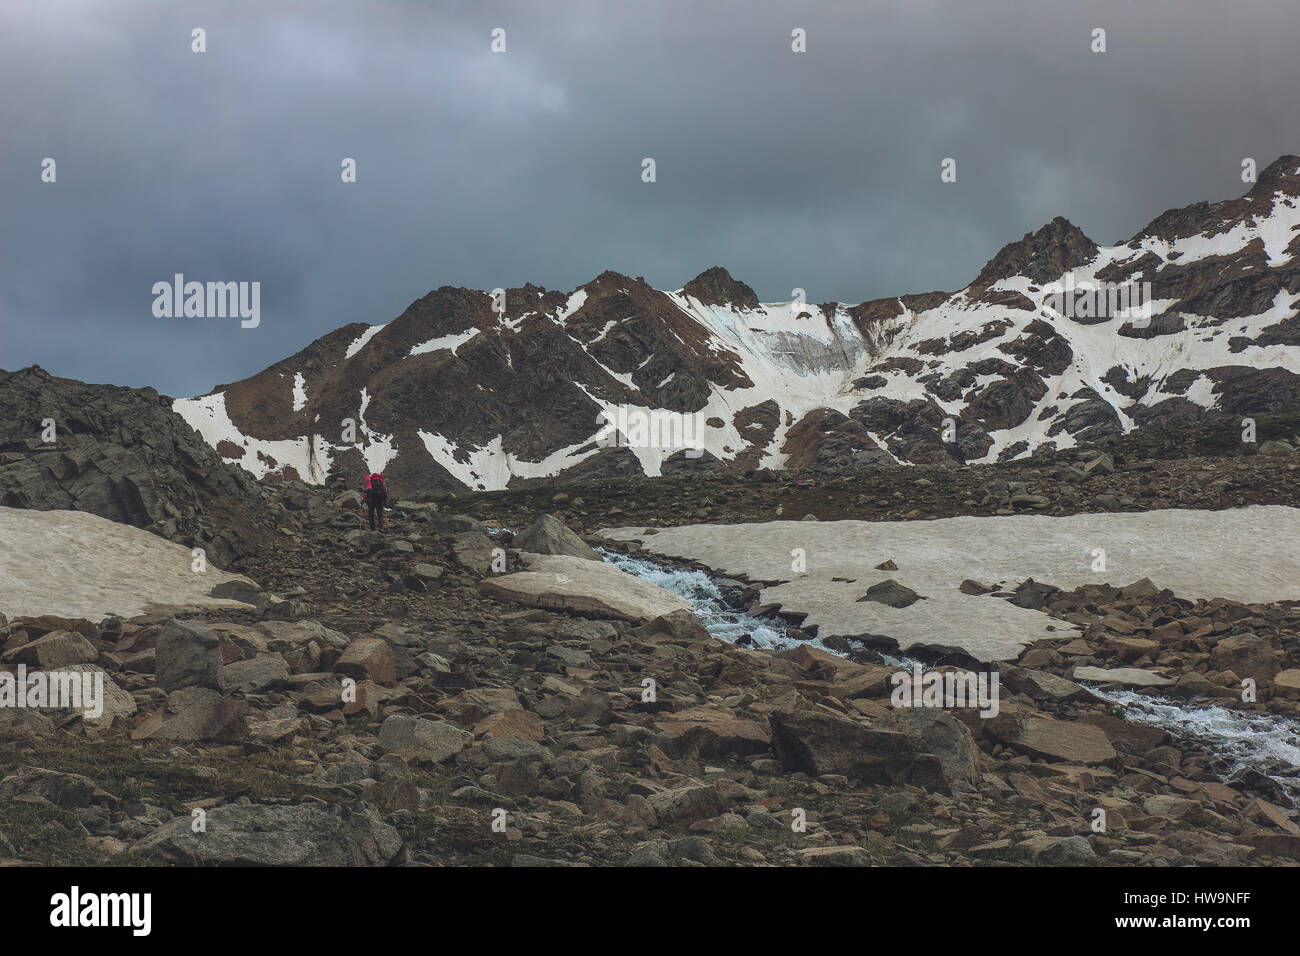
(715, 286)
(1042, 256)
(1282, 174)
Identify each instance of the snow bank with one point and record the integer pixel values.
(74, 564)
(1246, 554)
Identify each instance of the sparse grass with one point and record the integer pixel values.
(458, 838)
(51, 835)
(1006, 854)
(45, 834)
(130, 770)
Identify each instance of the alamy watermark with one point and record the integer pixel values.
(946, 689)
(626, 426)
(211, 300)
(77, 909)
(61, 690)
(1089, 299)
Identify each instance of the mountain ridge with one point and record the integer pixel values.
(452, 393)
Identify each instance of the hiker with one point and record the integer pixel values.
(375, 498)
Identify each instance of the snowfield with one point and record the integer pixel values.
(1246, 554)
(79, 565)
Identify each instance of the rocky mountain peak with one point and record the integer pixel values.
(1282, 174)
(715, 286)
(1043, 256)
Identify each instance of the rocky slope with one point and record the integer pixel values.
(452, 394)
(472, 709)
(122, 454)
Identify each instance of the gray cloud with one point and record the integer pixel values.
(817, 170)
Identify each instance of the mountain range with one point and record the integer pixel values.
(469, 390)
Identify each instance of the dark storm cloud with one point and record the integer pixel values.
(817, 170)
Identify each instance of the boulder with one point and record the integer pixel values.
(1131, 648)
(938, 732)
(368, 658)
(476, 703)
(1065, 740)
(197, 713)
(1287, 683)
(678, 627)
(816, 743)
(188, 654)
(711, 732)
(284, 636)
(1042, 686)
(67, 790)
(368, 697)
(55, 649)
(1168, 806)
(578, 586)
(685, 805)
(1067, 851)
(277, 729)
(549, 535)
(1127, 676)
(418, 738)
(847, 855)
(263, 672)
(1128, 736)
(427, 572)
(514, 724)
(23, 723)
(114, 702)
(473, 550)
(891, 594)
(1247, 655)
(1193, 684)
(310, 834)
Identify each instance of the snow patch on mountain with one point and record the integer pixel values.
(1275, 230)
(491, 467)
(378, 449)
(448, 342)
(576, 301)
(308, 456)
(360, 341)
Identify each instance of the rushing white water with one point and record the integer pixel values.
(1267, 743)
(719, 618)
(705, 596)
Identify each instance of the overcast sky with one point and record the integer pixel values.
(817, 170)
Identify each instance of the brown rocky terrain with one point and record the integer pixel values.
(468, 707)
